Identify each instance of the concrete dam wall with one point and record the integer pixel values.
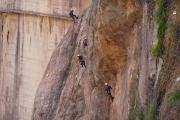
(26, 44)
(49, 7)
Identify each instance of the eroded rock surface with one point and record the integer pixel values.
(70, 92)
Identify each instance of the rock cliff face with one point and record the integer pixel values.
(120, 35)
(68, 91)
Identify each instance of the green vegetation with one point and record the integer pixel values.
(171, 103)
(160, 3)
(93, 34)
(132, 110)
(161, 20)
(89, 21)
(158, 48)
(176, 97)
(161, 29)
(135, 111)
(79, 86)
(152, 112)
(140, 114)
(91, 55)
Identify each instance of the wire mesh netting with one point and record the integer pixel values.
(162, 89)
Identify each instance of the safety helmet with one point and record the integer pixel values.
(71, 9)
(106, 84)
(85, 38)
(78, 55)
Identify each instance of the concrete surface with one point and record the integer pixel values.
(27, 44)
(55, 7)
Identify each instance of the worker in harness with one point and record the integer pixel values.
(108, 89)
(73, 16)
(81, 60)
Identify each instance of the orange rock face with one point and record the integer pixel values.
(71, 92)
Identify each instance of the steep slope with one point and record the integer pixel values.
(68, 91)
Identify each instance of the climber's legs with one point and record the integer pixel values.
(73, 19)
(83, 63)
(75, 16)
(112, 98)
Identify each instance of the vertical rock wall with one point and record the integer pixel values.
(113, 29)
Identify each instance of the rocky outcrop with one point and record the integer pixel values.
(68, 91)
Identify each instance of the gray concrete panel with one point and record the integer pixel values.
(25, 53)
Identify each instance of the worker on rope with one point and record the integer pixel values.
(108, 89)
(81, 60)
(85, 42)
(73, 16)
